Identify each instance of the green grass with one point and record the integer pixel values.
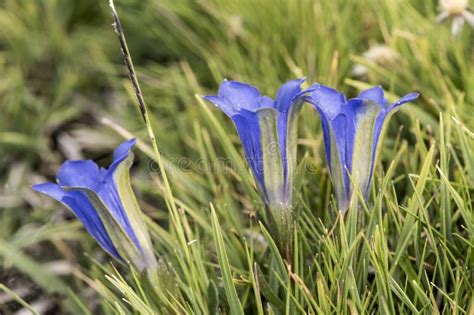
(62, 74)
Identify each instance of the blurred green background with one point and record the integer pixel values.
(64, 94)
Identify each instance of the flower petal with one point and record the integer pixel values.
(326, 126)
(287, 127)
(124, 148)
(457, 25)
(374, 94)
(383, 117)
(239, 95)
(273, 173)
(287, 93)
(410, 97)
(362, 118)
(469, 17)
(117, 191)
(80, 173)
(221, 103)
(327, 100)
(119, 236)
(442, 16)
(266, 102)
(336, 140)
(109, 194)
(248, 129)
(84, 211)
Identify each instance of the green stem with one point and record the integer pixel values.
(160, 278)
(141, 104)
(282, 225)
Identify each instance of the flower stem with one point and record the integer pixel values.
(161, 277)
(141, 103)
(282, 225)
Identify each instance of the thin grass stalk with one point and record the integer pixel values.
(163, 273)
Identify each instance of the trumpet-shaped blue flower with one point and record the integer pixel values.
(351, 130)
(104, 202)
(268, 131)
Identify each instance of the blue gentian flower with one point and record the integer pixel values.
(351, 130)
(268, 132)
(104, 202)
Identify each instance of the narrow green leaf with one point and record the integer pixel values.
(213, 298)
(413, 207)
(18, 299)
(230, 291)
